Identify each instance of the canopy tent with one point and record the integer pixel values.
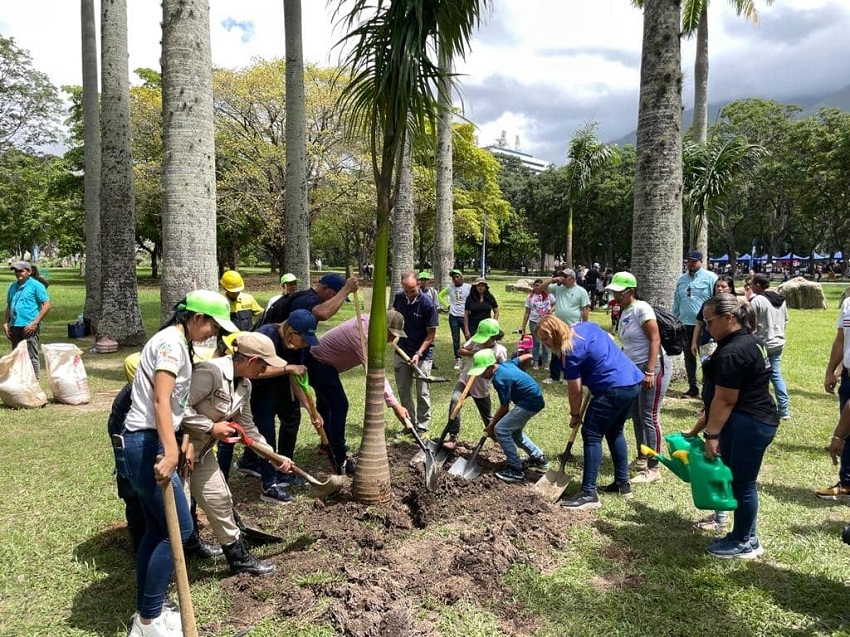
(748, 257)
(724, 258)
(825, 257)
(790, 257)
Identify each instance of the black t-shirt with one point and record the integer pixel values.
(739, 362)
(479, 309)
(590, 279)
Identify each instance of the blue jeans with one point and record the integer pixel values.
(456, 327)
(537, 349)
(331, 402)
(154, 562)
(743, 441)
(510, 434)
(779, 387)
(605, 417)
(843, 397)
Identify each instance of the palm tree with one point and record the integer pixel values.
(297, 255)
(444, 245)
(188, 153)
(585, 154)
(403, 221)
(91, 151)
(392, 92)
(120, 316)
(657, 222)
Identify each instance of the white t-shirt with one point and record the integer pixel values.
(632, 337)
(844, 323)
(457, 298)
(166, 351)
(539, 305)
(481, 386)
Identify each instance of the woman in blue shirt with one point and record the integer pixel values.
(590, 357)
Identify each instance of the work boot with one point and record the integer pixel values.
(196, 546)
(241, 560)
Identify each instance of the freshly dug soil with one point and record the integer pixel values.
(374, 571)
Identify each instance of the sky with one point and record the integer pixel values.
(537, 69)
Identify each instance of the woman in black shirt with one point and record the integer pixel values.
(480, 304)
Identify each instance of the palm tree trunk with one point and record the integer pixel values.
(402, 220)
(297, 256)
(700, 128)
(188, 157)
(445, 255)
(91, 150)
(657, 223)
(569, 259)
(120, 316)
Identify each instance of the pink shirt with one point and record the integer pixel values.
(340, 348)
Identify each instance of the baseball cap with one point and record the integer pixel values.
(455, 272)
(481, 361)
(303, 322)
(424, 275)
(622, 281)
(487, 329)
(568, 272)
(211, 304)
(481, 279)
(20, 265)
(255, 344)
(395, 323)
(289, 278)
(333, 281)
(693, 255)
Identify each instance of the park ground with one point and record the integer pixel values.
(471, 558)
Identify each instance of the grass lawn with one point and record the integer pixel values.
(637, 569)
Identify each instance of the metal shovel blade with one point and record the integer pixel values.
(469, 469)
(552, 485)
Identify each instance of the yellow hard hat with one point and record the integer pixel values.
(232, 281)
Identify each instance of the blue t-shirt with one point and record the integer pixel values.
(419, 315)
(598, 361)
(25, 301)
(306, 301)
(515, 386)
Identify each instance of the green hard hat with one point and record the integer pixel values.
(211, 304)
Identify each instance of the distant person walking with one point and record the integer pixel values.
(771, 318)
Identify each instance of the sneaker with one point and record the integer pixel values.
(451, 442)
(348, 466)
(157, 628)
(276, 494)
(248, 468)
(638, 464)
(784, 415)
(647, 476)
(536, 462)
(624, 489)
(693, 392)
(535, 367)
(457, 363)
(509, 474)
(758, 549)
(729, 548)
(290, 480)
(582, 501)
(711, 523)
(548, 381)
(834, 492)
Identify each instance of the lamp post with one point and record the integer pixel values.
(484, 248)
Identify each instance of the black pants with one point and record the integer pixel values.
(691, 361)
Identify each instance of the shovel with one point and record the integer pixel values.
(187, 610)
(469, 469)
(420, 375)
(253, 534)
(430, 468)
(553, 483)
(316, 488)
(439, 452)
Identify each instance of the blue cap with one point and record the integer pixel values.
(303, 322)
(693, 255)
(333, 281)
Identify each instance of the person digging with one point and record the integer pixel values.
(508, 425)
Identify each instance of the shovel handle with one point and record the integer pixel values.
(463, 396)
(408, 360)
(359, 322)
(187, 610)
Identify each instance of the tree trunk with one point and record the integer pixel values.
(402, 220)
(120, 316)
(569, 259)
(700, 128)
(155, 262)
(657, 224)
(188, 158)
(91, 149)
(297, 257)
(444, 250)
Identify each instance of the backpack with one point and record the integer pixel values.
(674, 336)
(280, 311)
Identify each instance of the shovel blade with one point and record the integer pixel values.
(552, 485)
(418, 458)
(458, 467)
(431, 477)
(466, 469)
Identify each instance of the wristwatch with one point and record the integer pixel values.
(708, 436)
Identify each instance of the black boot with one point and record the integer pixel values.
(196, 546)
(241, 561)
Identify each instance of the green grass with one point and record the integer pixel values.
(637, 569)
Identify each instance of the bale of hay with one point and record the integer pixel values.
(803, 294)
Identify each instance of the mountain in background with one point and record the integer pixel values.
(809, 103)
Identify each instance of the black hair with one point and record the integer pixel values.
(182, 316)
(35, 275)
(728, 280)
(728, 304)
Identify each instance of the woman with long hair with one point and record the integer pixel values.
(480, 304)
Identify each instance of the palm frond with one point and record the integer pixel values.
(691, 14)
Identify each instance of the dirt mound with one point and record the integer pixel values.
(368, 571)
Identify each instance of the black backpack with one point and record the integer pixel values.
(279, 311)
(674, 336)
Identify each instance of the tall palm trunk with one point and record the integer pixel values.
(297, 256)
(91, 150)
(657, 225)
(402, 220)
(569, 259)
(445, 253)
(700, 128)
(120, 316)
(188, 157)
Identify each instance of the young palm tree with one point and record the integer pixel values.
(91, 151)
(392, 92)
(657, 221)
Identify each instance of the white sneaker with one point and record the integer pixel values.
(157, 628)
(647, 476)
(457, 363)
(548, 381)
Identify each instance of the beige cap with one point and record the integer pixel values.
(252, 344)
(395, 323)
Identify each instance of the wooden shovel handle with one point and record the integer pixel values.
(463, 396)
(359, 316)
(187, 609)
